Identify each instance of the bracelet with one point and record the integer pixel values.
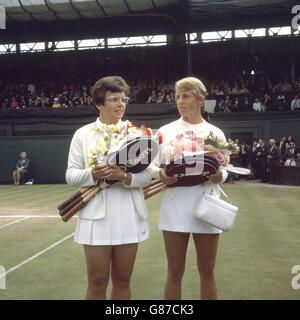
(124, 179)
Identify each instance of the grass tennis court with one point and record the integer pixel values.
(254, 259)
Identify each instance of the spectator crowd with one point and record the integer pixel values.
(264, 158)
(236, 98)
(236, 80)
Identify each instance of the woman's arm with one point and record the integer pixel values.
(77, 174)
(138, 180)
(130, 180)
(18, 164)
(154, 167)
(26, 164)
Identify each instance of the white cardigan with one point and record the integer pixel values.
(79, 174)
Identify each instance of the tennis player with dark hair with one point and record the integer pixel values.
(177, 220)
(112, 224)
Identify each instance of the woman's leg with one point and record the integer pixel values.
(98, 260)
(15, 177)
(18, 175)
(206, 249)
(123, 257)
(176, 245)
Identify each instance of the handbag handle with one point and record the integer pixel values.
(223, 192)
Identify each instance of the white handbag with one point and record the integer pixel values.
(216, 212)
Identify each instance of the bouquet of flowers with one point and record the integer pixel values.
(189, 144)
(191, 159)
(112, 138)
(110, 142)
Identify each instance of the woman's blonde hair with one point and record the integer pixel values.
(192, 84)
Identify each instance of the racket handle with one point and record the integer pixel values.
(68, 201)
(81, 204)
(73, 211)
(151, 193)
(70, 206)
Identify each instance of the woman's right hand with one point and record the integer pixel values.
(101, 171)
(166, 179)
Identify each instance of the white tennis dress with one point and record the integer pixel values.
(118, 214)
(178, 203)
(120, 225)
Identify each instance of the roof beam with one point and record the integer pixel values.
(51, 10)
(127, 6)
(153, 4)
(101, 7)
(25, 10)
(75, 9)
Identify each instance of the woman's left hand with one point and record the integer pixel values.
(215, 178)
(116, 173)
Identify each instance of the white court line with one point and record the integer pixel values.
(23, 216)
(36, 255)
(10, 223)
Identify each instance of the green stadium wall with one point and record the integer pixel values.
(46, 134)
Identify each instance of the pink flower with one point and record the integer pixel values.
(178, 147)
(192, 146)
(179, 136)
(226, 153)
(220, 158)
(189, 133)
(199, 140)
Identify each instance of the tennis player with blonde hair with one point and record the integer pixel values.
(177, 220)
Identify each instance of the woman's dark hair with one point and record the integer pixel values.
(110, 83)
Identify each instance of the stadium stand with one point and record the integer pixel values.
(44, 93)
